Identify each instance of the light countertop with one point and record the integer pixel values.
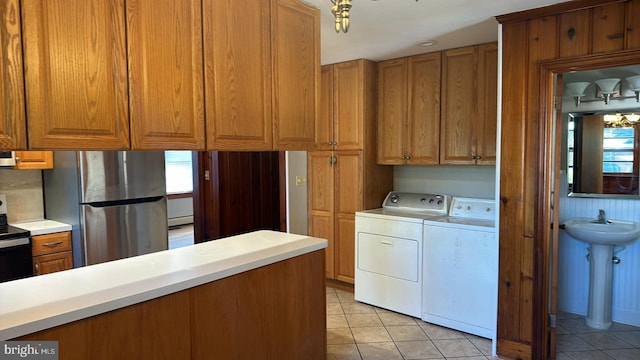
(41, 302)
(41, 227)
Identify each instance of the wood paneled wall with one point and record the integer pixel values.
(576, 29)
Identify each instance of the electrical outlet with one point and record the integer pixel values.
(301, 180)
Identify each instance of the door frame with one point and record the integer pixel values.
(548, 152)
(204, 189)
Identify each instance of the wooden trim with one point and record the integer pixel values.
(282, 176)
(553, 10)
(198, 160)
(522, 351)
(179, 195)
(591, 62)
(340, 285)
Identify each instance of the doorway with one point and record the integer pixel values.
(238, 192)
(573, 336)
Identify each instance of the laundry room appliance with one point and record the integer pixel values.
(461, 268)
(388, 249)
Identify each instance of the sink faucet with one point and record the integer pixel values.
(601, 217)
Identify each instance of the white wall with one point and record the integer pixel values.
(296, 194)
(24, 194)
(180, 211)
(463, 181)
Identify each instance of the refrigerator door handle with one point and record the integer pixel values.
(124, 202)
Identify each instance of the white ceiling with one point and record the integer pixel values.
(387, 29)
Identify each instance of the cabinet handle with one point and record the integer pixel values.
(479, 157)
(473, 157)
(52, 244)
(37, 266)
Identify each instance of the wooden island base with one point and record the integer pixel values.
(272, 312)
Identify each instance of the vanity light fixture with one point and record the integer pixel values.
(607, 88)
(634, 81)
(577, 90)
(340, 10)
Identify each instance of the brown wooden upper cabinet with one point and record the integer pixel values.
(409, 110)
(469, 108)
(13, 134)
(104, 75)
(262, 77)
(164, 43)
(76, 74)
(342, 105)
(82, 95)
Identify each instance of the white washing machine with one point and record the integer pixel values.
(461, 268)
(389, 252)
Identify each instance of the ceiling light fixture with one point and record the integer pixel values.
(620, 120)
(340, 10)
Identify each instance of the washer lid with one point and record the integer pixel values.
(469, 208)
(417, 202)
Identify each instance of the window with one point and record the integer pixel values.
(179, 172)
(618, 145)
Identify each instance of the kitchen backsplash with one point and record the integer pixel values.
(24, 194)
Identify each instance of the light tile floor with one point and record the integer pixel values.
(361, 332)
(357, 331)
(575, 340)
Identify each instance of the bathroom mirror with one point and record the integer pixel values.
(601, 113)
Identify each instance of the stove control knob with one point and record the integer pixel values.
(430, 201)
(423, 200)
(394, 198)
(487, 209)
(439, 202)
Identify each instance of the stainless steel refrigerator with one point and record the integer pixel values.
(115, 201)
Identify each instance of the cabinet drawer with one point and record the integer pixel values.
(51, 243)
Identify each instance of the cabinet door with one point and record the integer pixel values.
(76, 74)
(237, 57)
(45, 264)
(164, 40)
(348, 200)
(487, 104)
(349, 105)
(392, 111)
(296, 71)
(34, 160)
(459, 106)
(320, 175)
(13, 134)
(327, 116)
(423, 136)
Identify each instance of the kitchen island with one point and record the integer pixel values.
(253, 296)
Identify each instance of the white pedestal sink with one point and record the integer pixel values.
(601, 237)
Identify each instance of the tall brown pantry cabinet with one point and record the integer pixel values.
(345, 177)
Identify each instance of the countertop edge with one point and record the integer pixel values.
(166, 284)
